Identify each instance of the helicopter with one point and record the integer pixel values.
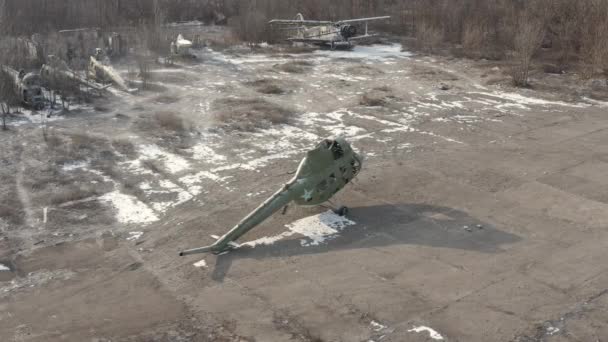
(324, 171)
(338, 34)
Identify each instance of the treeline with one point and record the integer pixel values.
(25, 17)
(575, 31)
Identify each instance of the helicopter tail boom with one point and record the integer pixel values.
(269, 207)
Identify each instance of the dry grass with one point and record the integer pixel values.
(72, 193)
(267, 86)
(295, 67)
(429, 37)
(293, 49)
(170, 121)
(249, 114)
(125, 147)
(365, 70)
(10, 208)
(166, 99)
(376, 97)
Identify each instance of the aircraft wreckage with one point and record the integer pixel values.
(324, 171)
(181, 47)
(104, 73)
(28, 87)
(57, 71)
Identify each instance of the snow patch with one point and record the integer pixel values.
(201, 263)
(268, 240)
(173, 162)
(130, 209)
(4, 268)
(317, 228)
(375, 52)
(207, 154)
(183, 196)
(525, 100)
(71, 166)
(377, 326)
(135, 236)
(432, 333)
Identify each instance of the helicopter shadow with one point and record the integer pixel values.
(382, 226)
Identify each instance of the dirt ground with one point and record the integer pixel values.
(480, 213)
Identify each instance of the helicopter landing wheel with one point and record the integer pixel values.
(342, 211)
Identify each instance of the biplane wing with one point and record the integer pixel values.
(299, 22)
(361, 20)
(363, 36)
(308, 40)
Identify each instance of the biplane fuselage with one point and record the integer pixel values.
(326, 33)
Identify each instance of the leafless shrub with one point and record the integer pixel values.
(125, 147)
(170, 121)
(428, 37)
(143, 64)
(72, 193)
(249, 114)
(8, 96)
(226, 40)
(527, 40)
(594, 42)
(295, 49)
(152, 166)
(295, 67)
(364, 70)
(10, 209)
(251, 25)
(267, 86)
(376, 97)
(85, 141)
(552, 69)
(166, 99)
(473, 39)
(131, 187)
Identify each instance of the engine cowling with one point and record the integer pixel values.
(348, 31)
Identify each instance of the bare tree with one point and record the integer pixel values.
(8, 96)
(428, 37)
(528, 37)
(594, 37)
(143, 63)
